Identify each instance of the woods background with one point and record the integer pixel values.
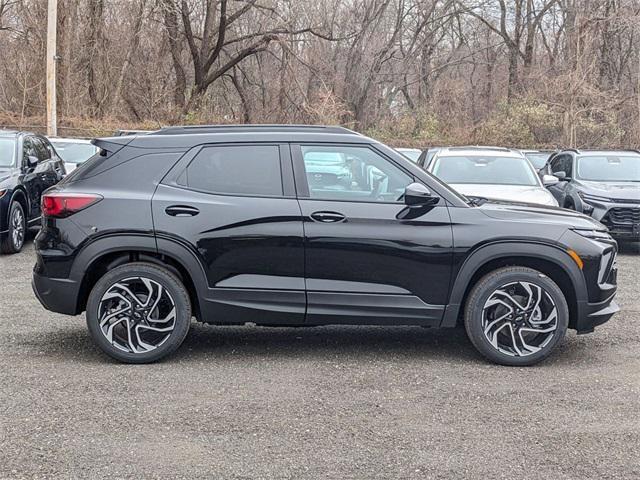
(409, 72)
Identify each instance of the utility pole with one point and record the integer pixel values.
(52, 57)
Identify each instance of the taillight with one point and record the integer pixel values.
(61, 205)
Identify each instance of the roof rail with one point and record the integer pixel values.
(189, 129)
(569, 150)
(479, 147)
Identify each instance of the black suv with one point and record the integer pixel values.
(28, 166)
(228, 224)
(602, 184)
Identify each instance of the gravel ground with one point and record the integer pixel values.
(331, 402)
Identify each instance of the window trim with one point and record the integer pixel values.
(171, 178)
(300, 172)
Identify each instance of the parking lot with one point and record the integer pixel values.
(330, 402)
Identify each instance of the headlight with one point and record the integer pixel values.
(593, 233)
(593, 198)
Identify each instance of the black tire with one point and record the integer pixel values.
(15, 236)
(488, 287)
(171, 285)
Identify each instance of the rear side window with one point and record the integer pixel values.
(236, 169)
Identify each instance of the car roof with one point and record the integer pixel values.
(9, 133)
(186, 137)
(608, 152)
(69, 140)
(478, 151)
(407, 149)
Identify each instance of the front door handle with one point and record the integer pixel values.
(181, 211)
(328, 217)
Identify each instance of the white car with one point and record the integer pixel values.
(494, 173)
(412, 154)
(73, 151)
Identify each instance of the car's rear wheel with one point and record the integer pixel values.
(516, 316)
(14, 240)
(138, 313)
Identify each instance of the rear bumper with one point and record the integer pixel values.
(58, 295)
(594, 314)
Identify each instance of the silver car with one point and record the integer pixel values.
(494, 173)
(73, 151)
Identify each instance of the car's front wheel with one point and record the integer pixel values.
(138, 313)
(17, 230)
(516, 316)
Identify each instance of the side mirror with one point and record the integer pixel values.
(548, 180)
(32, 161)
(417, 195)
(561, 176)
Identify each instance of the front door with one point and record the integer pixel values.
(235, 207)
(368, 258)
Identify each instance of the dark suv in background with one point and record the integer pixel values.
(602, 184)
(236, 224)
(28, 166)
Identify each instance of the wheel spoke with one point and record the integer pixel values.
(519, 318)
(137, 314)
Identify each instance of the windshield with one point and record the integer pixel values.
(7, 152)
(609, 168)
(72, 152)
(488, 169)
(538, 160)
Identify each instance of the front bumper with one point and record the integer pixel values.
(622, 219)
(593, 314)
(58, 295)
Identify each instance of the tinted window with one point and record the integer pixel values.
(561, 164)
(352, 173)
(484, 169)
(236, 169)
(42, 152)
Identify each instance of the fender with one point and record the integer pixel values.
(140, 242)
(4, 218)
(504, 249)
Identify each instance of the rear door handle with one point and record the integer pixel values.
(328, 217)
(181, 211)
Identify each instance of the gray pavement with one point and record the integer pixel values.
(330, 402)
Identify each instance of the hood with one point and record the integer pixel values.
(508, 193)
(618, 190)
(540, 214)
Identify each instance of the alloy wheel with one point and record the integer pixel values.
(519, 319)
(137, 315)
(17, 228)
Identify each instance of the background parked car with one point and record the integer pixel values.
(28, 166)
(538, 158)
(412, 154)
(491, 172)
(73, 151)
(603, 184)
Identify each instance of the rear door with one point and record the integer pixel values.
(368, 258)
(234, 207)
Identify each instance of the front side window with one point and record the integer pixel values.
(236, 170)
(484, 169)
(353, 174)
(609, 168)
